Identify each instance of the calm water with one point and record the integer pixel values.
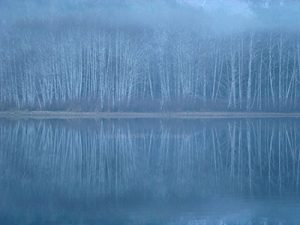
(150, 172)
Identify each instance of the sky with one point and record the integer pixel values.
(220, 15)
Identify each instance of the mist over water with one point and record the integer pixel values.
(166, 58)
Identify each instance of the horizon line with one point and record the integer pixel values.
(143, 115)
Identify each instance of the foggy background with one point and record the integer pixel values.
(179, 55)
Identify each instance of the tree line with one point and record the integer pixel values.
(128, 68)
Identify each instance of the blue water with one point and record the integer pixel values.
(144, 171)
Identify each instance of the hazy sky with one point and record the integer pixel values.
(223, 15)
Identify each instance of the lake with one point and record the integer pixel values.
(150, 171)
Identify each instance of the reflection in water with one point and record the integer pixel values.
(150, 171)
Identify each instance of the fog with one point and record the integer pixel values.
(182, 55)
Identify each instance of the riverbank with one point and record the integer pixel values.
(142, 115)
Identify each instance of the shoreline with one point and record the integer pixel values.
(142, 115)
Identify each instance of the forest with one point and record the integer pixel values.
(131, 59)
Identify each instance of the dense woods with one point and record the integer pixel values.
(71, 64)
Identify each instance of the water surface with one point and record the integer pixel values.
(150, 171)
